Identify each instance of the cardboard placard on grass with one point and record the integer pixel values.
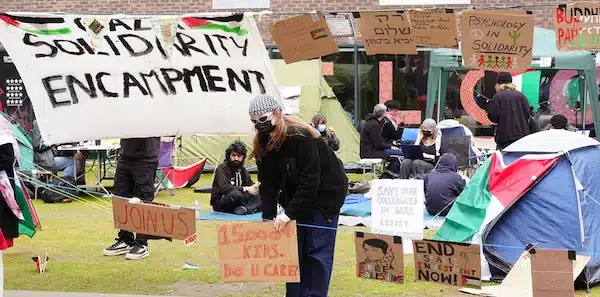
(256, 252)
(303, 37)
(577, 26)
(154, 219)
(552, 272)
(497, 41)
(434, 28)
(379, 257)
(456, 264)
(385, 32)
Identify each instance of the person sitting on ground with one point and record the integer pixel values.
(319, 121)
(430, 141)
(442, 186)
(233, 189)
(558, 122)
(372, 145)
(391, 127)
(450, 121)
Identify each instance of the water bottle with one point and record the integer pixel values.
(197, 209)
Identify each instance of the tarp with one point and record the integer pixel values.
(316, 96)
(25, 146)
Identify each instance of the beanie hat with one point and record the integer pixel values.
(504, 78)
(263, 104)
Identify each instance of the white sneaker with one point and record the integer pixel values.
(118, 248)
(138, 252)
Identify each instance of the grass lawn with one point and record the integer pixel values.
(75, 234)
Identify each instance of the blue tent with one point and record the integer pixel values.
(561, 211)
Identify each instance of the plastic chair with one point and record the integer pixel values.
(166, 162)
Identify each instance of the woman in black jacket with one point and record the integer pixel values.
(298, 170)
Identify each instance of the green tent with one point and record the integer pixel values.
(443, 62)
(316, 97)
(25, 146)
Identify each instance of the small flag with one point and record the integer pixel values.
(95, 29)
(41, 266)
(318, 34)
(166, 30)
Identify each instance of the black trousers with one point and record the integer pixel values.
(135, 179)
(230, 201)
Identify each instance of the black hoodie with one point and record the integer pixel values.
(371, 142)
(228, 179)
(442, 186)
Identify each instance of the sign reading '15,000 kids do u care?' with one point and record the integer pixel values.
(131, 76)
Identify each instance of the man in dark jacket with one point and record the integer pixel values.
(135, 176)
(233, 190)
(442, 186)
(391, 129)
(371, 141)
(510, 110)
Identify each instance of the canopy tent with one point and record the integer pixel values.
(445, 61)
(316, 97)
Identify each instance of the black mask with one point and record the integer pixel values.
(427, 133)
(235, 164)
(264, 128)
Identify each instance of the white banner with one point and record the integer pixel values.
(397, 207)
(129, 85)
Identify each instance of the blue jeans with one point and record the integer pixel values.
(392, 152)
(315, 256)
(66, 165)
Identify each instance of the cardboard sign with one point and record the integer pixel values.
(303, 37)
(578, 26)
(385, 32)
(131, 75)
(410, 117)
(397, 207)
(456, 264)
(379, 257)
(154, 219)
(496, 41)
(256, 252)
(340, 24)
(190, 240)
(552, 273)
(434, 28)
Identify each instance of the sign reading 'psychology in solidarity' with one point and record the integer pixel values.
(256, 252)
(397, 207)
(138, 76)
(501, 41)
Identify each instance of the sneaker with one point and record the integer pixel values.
(240, 210)
(119, 248)
(138, 252)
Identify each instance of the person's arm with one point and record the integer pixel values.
(493, 109)
(376, 139)
(222, 181)
(460, 185)
(527, 109)
(270, 184)
(334, 141)
(7, 157)
(309, 174)
(248, 179)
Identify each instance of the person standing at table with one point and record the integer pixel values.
(300, 172)
(135, 176)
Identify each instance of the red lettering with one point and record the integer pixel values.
(265, 270)
(187, 230)
(165, 223)
(150, 219)
(239, 236)
(235, 271)
(250, 235)
(419, 265)
(275, 235)
(246, 249)
(276, 252)
(222, 234)
(262, 235)
(139, 215)
(254, 269)
(267, 251)
(560, 16)
(257, 251)
(292, 270)
(126, 216)
(282, 269)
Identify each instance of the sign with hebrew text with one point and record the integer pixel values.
(385, 32)
(501, 42)
(131, 76)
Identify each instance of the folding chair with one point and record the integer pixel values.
(166, 165)
(460, 147)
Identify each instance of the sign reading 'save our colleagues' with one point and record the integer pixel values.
(397, 207)
(122, 77)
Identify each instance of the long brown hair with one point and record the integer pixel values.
(286, 126)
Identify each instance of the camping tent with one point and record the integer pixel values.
(316, 96)
(541, 190)
(444, 62)
(25, 146)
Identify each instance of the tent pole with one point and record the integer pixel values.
(585, 97)
(356, 89)
(439, 94)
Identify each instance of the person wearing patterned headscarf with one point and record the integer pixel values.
(379, 259)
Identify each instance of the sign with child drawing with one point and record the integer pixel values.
(397, 207)
(379, 257)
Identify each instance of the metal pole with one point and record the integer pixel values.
(356, 88)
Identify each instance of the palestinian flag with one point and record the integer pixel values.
(32, 24)
(31, 222)
(493, 189)
(180, 177)
(529, 84)
(229, 24)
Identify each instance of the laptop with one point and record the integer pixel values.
(411, 151)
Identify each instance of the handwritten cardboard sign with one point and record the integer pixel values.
(379, 257)
(434, 28)
(256, 252)
(397, 207)
(303, 37)
(578, 26)
(497, 41)
(456, 264)
(385, 32)
(552, 273)
(154, 219)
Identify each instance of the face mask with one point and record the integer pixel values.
(264, 128)
(321, 128)
(427, 133)
(236, 164)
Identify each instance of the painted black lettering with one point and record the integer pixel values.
(210, 44)
(153, 74)
(52, 92)
(423, 275)
(130, 81)
(114, 23)
(137, 26)
(221, 38)
(186, 45)
(233, 78)
(126, 40)
(102, 87)
(243, 47)
(178, 76)
(88, 48)
(53, 50)
(70, 47)
(89, 89)
(161, 49)
(212, 86)
(188, 74)
(259, 79)
(78, 22)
